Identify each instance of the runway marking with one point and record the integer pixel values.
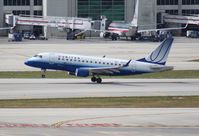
(72, 122)
(90, 125)
(23, 125)
(26, 125)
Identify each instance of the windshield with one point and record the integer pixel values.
(38, 56)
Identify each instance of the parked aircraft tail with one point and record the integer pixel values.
(160, 54)
(134, 22)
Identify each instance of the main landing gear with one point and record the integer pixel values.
(95, 79)
(43, 73)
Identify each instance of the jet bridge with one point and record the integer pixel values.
(181, 19)
(62, 23)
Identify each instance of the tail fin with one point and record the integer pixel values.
(160, 54)
(134, 22)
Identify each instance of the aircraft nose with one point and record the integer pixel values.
(26, 62)
(29, 62)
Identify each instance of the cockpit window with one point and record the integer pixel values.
(38, 56)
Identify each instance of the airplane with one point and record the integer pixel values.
(122, 29)
(84, 66)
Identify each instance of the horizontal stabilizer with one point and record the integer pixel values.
(163, 68)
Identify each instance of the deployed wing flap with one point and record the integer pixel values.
(104, 70)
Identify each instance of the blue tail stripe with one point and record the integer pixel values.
(160, 53)
(168, 47)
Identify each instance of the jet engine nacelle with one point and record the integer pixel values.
(104, 35)
(82, 72)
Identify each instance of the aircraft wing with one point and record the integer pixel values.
(107, 70)
(5, 28)
(163, 29)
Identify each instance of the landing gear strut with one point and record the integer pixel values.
(43, 73)
(98, 80)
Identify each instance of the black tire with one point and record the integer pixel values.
(133, 38)
(114, 37)
(93, 79)
(43, 76)
(99, 80)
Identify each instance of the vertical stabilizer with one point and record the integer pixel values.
(160, 54)
(134, 22)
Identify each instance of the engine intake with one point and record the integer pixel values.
(82, 72)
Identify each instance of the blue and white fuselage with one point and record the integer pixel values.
(84, 66)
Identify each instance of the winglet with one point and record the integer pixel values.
(127, 64)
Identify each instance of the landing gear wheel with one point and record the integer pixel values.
(93, 79)
(99, 80)
(43, 73)
(114, 37)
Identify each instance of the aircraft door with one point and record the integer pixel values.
(52, 58)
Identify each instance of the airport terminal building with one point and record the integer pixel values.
(117, 10)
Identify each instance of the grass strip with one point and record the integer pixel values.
(62, 74)
(106, 102)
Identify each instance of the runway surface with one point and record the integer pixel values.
(99, 122)
(67, 88)
(13, 54)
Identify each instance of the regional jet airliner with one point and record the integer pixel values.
(84, 66)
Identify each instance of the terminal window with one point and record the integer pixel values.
(38, 12)
(16, 2)
(112, 9)
(37, 2)
(167, 2)
(191, 12)
(190, 2)
(21, 12)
